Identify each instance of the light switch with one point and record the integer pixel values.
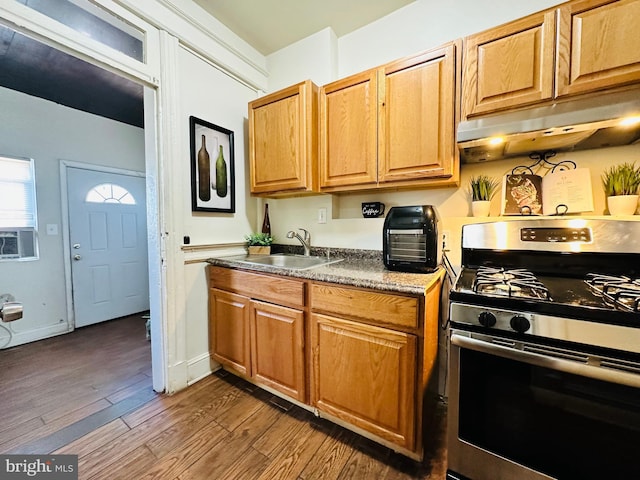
(322, 215)
(52, 229)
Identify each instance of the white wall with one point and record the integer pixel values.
(295, 63)
(424, 24)
(210, 95)
(49, 132)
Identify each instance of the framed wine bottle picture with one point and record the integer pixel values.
(212, 167)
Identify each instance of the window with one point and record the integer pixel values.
(18, 218)
(89, 19)
(110, 193)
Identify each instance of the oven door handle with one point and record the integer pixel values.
(553, 363)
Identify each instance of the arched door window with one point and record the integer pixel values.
(110, 193)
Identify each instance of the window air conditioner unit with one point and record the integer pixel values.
(18, 243)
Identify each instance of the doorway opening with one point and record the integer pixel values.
(119, 93)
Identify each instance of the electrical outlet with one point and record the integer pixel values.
(446, 235)
(322, 215)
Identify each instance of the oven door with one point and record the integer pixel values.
(514, 414)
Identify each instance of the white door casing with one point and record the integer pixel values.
(108, 245)
(32, 23)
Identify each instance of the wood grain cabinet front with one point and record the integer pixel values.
(229, 324)
(580, 47)
(360, 357)
(283, 141)
(253, 334)
(365, 375)
(510, 65)
(391, 126)
(417, 118)
(373, 354)
(277, 348)
(598, 45)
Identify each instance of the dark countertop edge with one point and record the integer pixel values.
(353, 271)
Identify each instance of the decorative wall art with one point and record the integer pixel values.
(556, 193)
(212, 167)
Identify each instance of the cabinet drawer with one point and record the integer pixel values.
(380, 307)
(282, 291)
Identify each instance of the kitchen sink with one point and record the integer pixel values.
(295, 262)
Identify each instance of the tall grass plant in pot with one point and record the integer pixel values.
(621, 184)
(482, 188)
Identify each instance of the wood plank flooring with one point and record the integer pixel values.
(89, 393)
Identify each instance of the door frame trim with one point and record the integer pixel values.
(66, 243)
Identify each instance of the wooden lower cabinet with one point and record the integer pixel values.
(365, 375)
(359, 357)
(277, 348)
(254, 337)
(229, 330)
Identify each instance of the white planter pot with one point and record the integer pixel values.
(623, 204)
(480, 208)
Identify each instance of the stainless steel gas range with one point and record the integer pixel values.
(544, 359)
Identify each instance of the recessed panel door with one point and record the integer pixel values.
(108, 245)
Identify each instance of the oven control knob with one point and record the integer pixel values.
(487, 319)
(520, 324)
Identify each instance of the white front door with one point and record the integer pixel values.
(108, 240)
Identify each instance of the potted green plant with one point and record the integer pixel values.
(483, 188)
(621, 184)
(259, 243)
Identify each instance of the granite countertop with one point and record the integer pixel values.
(360, 268)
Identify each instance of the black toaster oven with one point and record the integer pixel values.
(410, 241)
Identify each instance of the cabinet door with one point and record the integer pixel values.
(599, 45)
(366, 376)
(416, 117)
(283, 141)
(277, 348)
(510, 65)
(348, 132)
(229, 330)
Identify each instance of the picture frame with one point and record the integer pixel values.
(208, 192)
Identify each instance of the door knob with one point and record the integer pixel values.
(77, 257)
(76, 245)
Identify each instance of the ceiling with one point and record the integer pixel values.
(31, 67)
(269, 25)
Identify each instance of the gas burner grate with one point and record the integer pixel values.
(510, 283)
(620, 292)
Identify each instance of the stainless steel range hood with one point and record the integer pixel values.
(578, 124)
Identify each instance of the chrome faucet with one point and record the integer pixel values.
(305, 241)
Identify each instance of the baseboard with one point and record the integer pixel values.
(200, 367)
(28, 336)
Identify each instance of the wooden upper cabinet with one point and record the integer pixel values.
(348, 131)
(599, 45)
(509, 66)
(283, 141)
(391, 126)
(416, 117)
